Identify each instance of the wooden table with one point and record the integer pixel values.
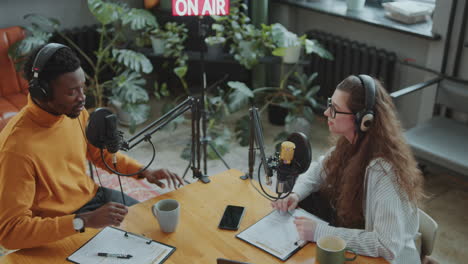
(197, 238)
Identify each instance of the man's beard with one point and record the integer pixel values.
(73, 116)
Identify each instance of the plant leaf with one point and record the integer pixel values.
(106, 12)
(239, 96)
(132, 59)
(313, 91)
(180, 71)
(312, 46)
(288, 105)
(128, 88)
(279, 52)
(139, 19)
(308, 114)
(42, 23)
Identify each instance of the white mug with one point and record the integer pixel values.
(355, 5)
(167, 213)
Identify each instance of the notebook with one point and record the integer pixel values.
(276, 233)
(117, 244)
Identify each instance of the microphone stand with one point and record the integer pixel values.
(205, 140)
(256, 136)
(190, 103)
(270, 164)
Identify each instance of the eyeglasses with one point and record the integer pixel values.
(333, 111)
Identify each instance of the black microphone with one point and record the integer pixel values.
(285, 170)
(294, 159)
(102, 131)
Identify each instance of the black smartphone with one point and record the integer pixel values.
(231, 218)
(228, 261)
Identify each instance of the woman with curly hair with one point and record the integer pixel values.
(368, 186)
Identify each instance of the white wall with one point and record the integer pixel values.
(71, 13)
(413, 108)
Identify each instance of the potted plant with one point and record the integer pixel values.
(246, 42)
(215, 46)
(116, 22)
(172, 37)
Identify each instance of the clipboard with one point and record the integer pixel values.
(117, 241)
(276, 233)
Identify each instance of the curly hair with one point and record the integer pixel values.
(347, 163)
(63, 61)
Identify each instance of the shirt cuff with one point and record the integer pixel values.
(322, 230)
(66, 225)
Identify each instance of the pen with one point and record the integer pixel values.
(121, 256)
(299, 242)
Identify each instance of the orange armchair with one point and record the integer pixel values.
(13, 87)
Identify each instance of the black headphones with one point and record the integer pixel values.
(39, 89)
(365, 117)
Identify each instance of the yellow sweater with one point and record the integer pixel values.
(43, 176)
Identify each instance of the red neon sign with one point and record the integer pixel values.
(200, 7)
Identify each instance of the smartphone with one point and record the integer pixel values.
(228, 261)
(231, 218)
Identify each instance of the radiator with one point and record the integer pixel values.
(351, 57)
(87, 38)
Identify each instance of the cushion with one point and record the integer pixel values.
(7, 111)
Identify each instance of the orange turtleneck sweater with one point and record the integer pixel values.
(43, 176)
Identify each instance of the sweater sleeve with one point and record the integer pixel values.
(390, 212)
(310, 181)
(19, 228)
(125, 164)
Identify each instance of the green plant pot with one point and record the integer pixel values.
(158, 45)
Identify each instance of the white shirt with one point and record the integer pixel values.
(391, 220)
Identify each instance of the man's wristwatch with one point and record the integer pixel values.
(78, 224)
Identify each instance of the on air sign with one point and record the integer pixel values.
(200, 7)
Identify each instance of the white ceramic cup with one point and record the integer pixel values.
(355, 5)
(167, 213)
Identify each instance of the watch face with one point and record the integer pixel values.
(78, 223)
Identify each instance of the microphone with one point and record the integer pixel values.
(102, 131)
(294, 159)
(285, 171)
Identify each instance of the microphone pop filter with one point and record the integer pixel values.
(97, 131)
(302, 153)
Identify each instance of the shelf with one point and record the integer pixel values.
(224, 58)
(369, 15)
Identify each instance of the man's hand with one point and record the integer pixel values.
(109, 214)
(155, 176)
(306, 228)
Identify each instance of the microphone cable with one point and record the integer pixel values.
(95, 169)
(131, 174)
(263, 192)
(87, 151)
(120, 184)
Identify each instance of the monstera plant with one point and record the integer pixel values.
(118, 23)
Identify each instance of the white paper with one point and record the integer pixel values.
(276, 233)
(112, 240)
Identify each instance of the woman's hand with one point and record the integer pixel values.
(287, 204)
(306, 228)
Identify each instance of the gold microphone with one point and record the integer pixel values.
(287, 152)
(286, 156)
